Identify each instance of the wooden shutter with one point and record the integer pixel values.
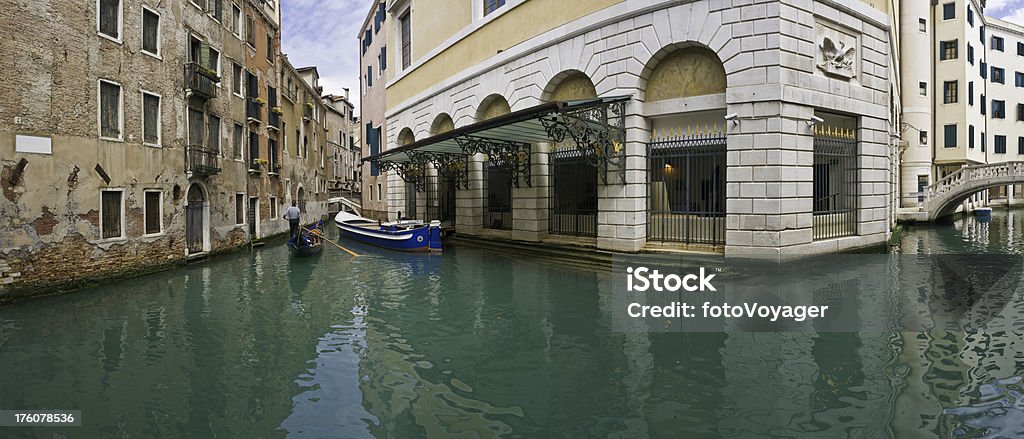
(111, 210)
(110, 103)
(151, 117)
(152, 212)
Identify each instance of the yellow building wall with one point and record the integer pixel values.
(434, 21)
(529, 19)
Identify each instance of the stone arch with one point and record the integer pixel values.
(569, 85)
(300, 198)
(406, 137)
(492, 106)
(682, 70)
(442, 124)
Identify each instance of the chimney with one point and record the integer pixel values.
(346, 93)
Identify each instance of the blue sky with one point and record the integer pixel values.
(323, 33)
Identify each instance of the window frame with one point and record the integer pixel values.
(996, 147)
(1001, 113)
(948, 98)
(237, 83)
(945, 47)
(1001, 40)
(946, 8)
(405, 41)
(498, 4)
(159, 43)
(102, 221)
(947, 140)
(238, 30)
(159, 117)
(238, 153)
(160, 212)
(120, 110)
(119, 39)
(240, 204)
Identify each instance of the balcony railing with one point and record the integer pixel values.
(254, 111)
(202, 161)
(307, 113)
(200, 81)
(274, 121)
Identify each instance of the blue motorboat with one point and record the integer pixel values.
(409, 236)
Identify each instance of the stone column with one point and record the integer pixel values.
(530, 202)
(622, 208)
(469, 203)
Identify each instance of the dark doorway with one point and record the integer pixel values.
(194, 220)
(573, 201)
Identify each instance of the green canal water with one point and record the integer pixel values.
(475, 343)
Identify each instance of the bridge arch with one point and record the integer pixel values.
(945, 196)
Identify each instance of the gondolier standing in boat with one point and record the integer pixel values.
(292, 215)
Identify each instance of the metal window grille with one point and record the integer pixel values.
(835, 183)
(498, 198)
(686, 188)
(573, 200)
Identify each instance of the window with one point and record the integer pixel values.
(970, 54)
(984, 70)
(983, 106)
(236, 20)
(981, 33)
(922, 88)
(214, 63)
(492, 5)
(997, 43)
(922, 25)
(949, 11)
(378, 19)
(213, 133)
(1020, 49)
(239, 209)
(970, 93)
(369, 76)
(998, 75)
(108, 17)
(1020, 145)
(151, 211)
(998, 109)
(110, 110)
(1020, 112)
(250, 31)
(949, 92)
(236, 141)
(949, 136)
(236, 83)
(150, 32)
(217, 10)
(970, 136)
(924, 137)
(1000, 145)
(273, 208)
(948, 50)
(151, 119)
(195, 127)
(270, 47)
(970, 16)
(380, 192)
(1018, 79)
(111, 214)
(406, 27)
(367, 40)
(382, 59)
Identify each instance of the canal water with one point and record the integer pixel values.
(476, 343)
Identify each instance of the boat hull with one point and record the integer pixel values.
(423, 238)
(305, 251)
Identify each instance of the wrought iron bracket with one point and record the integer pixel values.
(599, 134)
(411, 171)
(452, 166)
(512, 157)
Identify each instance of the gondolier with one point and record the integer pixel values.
(292, 215)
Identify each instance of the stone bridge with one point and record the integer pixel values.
(943, 197)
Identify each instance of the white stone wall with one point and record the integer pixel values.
(774, 86)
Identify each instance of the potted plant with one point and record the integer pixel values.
(309, 105)
(260, 101)
(277, 167)
(277, 110)
(259, 162)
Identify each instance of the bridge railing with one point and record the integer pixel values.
(972, 173)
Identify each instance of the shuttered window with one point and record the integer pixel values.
(110, 18)
(239, 209)
(218, 9)
(110, 214)
(152, 213)
(213, 133)
(150, 32)
(195, 127)
(150, 119)
(406, 40)
(110, 110)
(236, 141)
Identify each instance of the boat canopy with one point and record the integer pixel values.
(591, 128)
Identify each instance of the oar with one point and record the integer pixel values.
(332, 242)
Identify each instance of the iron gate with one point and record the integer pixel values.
(835, 183)
(686, 189)
(497, 197)
(433, 194)
(447, 200)
(573, 201)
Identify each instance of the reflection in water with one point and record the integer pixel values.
(479, 344)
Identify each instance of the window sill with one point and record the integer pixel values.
(103, 241)
(153, 237)
(112, 139)
(110, 38)
(152, 145)
(154, 55)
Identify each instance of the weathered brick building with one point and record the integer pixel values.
(137, 134)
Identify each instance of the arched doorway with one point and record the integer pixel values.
(573, 201)
(406, 137)
(686, 175)
(195, 220)
(300, 199)
(497, 182)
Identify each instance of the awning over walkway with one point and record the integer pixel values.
(596, 126)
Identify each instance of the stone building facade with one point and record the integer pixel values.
(373, 66)
(128, 140)
(790, 97)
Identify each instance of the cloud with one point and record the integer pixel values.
(1009, 10)
(324, 33)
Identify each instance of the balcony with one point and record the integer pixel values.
(201, 161)
(200, 81)
(254, 110)
(274, 121)
(307, 112)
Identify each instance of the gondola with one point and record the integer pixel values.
(308, 242)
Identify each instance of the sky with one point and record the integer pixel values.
(323, 33)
